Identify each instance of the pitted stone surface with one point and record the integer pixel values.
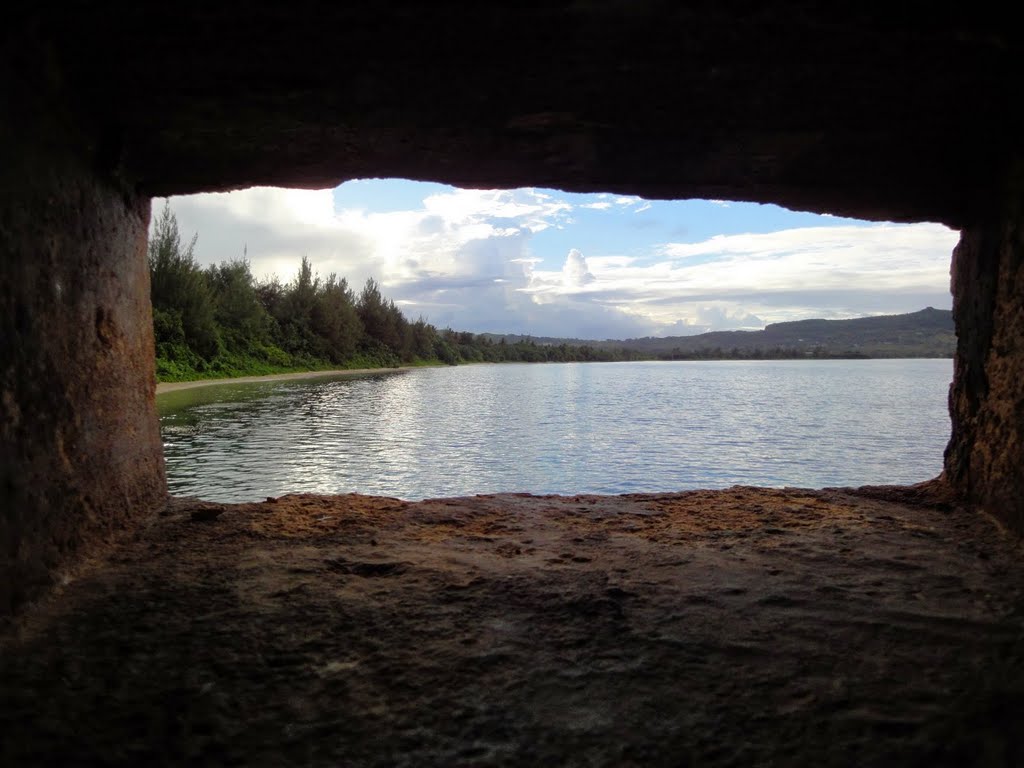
(713, 628)
(81, 459)
(902, 114)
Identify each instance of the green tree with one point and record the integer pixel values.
(381, 321)
(424, 337)
(270, 293)
(334, 319)
(183, 306)
(237, 308)
(444, 349)
(294, 312)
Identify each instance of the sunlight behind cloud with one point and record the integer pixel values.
(513, 260)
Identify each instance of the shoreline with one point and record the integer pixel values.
(175, 386)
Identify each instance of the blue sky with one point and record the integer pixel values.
(552, 263)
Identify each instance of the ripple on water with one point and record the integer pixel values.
(572, 428)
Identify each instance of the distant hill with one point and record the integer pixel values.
(927, 333)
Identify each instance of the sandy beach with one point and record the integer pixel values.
(174, 386)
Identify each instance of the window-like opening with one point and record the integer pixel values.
(709, 343)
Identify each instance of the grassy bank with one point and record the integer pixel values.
(270, 361)
(167, 387)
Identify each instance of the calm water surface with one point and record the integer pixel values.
(562, 428)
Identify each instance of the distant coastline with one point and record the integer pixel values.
(927, 333)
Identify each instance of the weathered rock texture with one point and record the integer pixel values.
(985, 457)
(896, 115)
(745, 627)
(80, 451)
(903, 115)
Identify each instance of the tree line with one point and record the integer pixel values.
(221, 321)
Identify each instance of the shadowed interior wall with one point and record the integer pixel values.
(985, 457)
(901, 116)
(80, 452)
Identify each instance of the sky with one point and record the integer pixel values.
(591, 266)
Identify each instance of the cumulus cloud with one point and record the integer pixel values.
(575, 273)
(722, 318)
(276, 227)
(476, 260)
(743, 281)
(461, 259)
(706, 318)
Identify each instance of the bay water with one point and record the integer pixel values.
(562, 428)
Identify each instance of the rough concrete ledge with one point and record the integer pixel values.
(736, 627)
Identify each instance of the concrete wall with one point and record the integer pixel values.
(92, 119)
(985, 457)
(80, 453)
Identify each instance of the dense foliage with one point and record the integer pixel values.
(220, 321)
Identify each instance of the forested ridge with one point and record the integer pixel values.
(926, 333)
(220, 321)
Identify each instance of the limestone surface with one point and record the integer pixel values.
(715, 628)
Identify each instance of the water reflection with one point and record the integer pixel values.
(602, 428)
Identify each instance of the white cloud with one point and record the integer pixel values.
(279, 226)
(528, 208)
(721, 318)
(743, 281)
(575, 272)
(466, 258)
(275, 228)
(876, 257)
(461, 259)
(714, 317)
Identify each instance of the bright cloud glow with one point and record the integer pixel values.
(575, 272)
(587, 266)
